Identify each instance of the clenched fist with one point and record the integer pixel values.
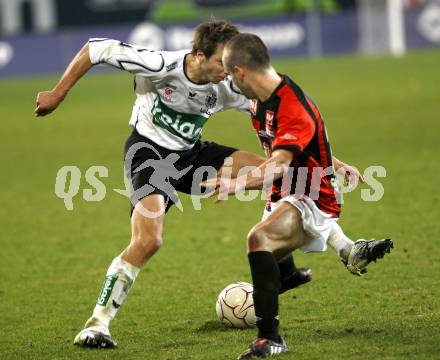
(47, 102)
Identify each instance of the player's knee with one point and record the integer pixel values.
(257, 239)
(155, 242)
(150, 244)
(147, 242)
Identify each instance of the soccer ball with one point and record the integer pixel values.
(235, 306)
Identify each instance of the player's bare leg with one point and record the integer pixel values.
(268, 242)
(146, 239)
(357, 255)
(280, 233)
(291, 276)
(146, 232)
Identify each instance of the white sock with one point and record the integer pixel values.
(118, 281)
(339, 242)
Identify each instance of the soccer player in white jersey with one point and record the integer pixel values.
(176, 93)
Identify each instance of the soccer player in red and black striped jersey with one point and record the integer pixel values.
(303, 210)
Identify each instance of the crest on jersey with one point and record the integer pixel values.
(269, 123)
(168, 93)
(269, 117)
(253, 108)
(210, 101)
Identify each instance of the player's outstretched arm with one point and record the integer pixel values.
(351, 174)
(48, 101)
(261, 177)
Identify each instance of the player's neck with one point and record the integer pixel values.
(193, 70)
(266, 83)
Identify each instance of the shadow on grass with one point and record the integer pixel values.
(211, 326)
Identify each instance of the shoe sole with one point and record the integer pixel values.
(379, 252)
(96, 341)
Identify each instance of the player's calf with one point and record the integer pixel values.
(297, 278)
(291, 276)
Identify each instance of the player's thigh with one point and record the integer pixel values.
(281, 232)
(148, 216)
(240, 159)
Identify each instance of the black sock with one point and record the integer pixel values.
(287, 270)
(266, 279)
(287, 267)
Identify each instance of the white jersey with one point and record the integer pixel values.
(169, 109)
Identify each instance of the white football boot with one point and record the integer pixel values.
(94, 335)
(365, 251)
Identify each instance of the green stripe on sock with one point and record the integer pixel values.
(107, 289)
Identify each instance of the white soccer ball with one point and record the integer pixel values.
(235, 306)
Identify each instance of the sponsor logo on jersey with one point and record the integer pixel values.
(107, 288)
(185, 126)
(171, 66)
(192, 95)
(254, 104)
(288, 136)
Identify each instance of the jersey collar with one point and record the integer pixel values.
(187, 77)
(274, 93)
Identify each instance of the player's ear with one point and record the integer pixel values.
(200, 56)
(239, 71)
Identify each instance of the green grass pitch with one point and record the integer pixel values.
(378, 111)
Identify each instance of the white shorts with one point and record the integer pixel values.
(317, 225)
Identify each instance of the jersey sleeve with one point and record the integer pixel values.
(295, 127)
(131, 58)
(234, 99)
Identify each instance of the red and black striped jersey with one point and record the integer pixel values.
(290, 120)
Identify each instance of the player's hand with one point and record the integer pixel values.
(47, 102)
(220, 187)
(352, 176)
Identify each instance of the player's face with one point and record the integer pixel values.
(238, 77)
(212, 67)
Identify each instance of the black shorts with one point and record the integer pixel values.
(153, 169)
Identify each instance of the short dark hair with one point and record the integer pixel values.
(247, 50)
(210, 34)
